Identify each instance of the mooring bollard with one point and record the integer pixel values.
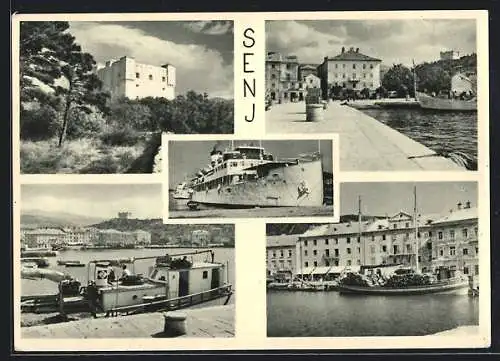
(175, 323)
(314, 112)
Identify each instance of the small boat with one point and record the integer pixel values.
(40, 262)
(182, 191)
(428, 102)
(74, 264)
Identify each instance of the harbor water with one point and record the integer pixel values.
(330, 314)
(37, 287)
(443, 132)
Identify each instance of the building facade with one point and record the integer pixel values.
(449, 55)
(281, 255)
(200, 237)
(349, 70)
(127, 78)
(282, 78)
(449, 241)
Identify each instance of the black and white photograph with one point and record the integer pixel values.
(403, 261)
(401, 93)
(250, 178)
(97, 261)
(96, 95)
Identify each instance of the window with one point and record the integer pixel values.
(289, 253)
(441, 253)
(395, 226)
(466, 270)
(327, 252)
(476, 269)
(273, 66)
(359, 239)
(348, 251)
(384, 248)
(452, 250)
(315, 264)
(137, 85)
(336, 66)
(395, 249)
(305, 243)
(465, 233)
(336, 251)
(336, 241)
(408, 248)
(477, 250)
(354, 66)
(383, 237)
(326, 242)
(407, 225)
(305, 252)
(430, 234)
(315, 252)
(465, 251)
(273, 76)
(281, 253)
(452, 234)
(373, 238)
(163, 79)
(359, 250)
(274, 253)
(475, 230)
(343, 76)
(137, 75)
(150, 77)
(348, 240)
(306, 264)
(440, 235)
(349, 262)
(314, 242)
(354, 75)
(364, 66)
(163, 89)
(371, 66)
(205, 274)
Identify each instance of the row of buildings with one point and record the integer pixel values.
(50, 237)
(449, 241)
(288, 80)
(128, 78)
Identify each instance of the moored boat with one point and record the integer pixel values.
(428, 102)
(182, 191)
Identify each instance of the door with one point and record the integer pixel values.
(183, 283)
(215, 278)
(173, 284)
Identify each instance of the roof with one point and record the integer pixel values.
(283, 240)
(458, 215)
(353, 55)
(308, 66)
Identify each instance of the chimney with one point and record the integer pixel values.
(459, 205)
(357, 50)
(467, 204)
(343, 50)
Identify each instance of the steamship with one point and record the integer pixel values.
(247, 176)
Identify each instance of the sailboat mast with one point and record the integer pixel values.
(359, 229)
(416, 227)
(414, 80)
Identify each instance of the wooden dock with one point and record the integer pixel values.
(365, 143)
(215, 321)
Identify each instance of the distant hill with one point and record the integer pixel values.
(175, 233)
(43, 218)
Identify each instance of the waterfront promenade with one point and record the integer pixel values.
(365, 143)
(216, 321)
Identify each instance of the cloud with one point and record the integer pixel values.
(217, 27)
(393, 41)
(198, 67)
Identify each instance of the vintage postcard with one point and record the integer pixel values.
(251, 181)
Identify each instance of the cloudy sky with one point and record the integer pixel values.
(96, 200)
(392, 41)
(187, 157)
(381, 198)
(201, 51)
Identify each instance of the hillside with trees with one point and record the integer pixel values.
(431, 76)
(68, 123)
(170, 233)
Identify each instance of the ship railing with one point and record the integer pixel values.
(162, 303)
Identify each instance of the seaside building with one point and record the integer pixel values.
(350, 69)
(449, 241)
(142, 237)
(461, 82)
(282, 77)
(45, 237)
(126, 77)
(281, 255)
(307, 69)
(200, 237)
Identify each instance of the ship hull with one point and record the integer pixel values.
(428, 102)
(282, 187)
(455, 288)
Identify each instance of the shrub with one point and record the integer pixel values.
(38, 122)
(123, 136)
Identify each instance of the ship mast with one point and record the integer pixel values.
(416, 226)
(359, 228)
(414, 80)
